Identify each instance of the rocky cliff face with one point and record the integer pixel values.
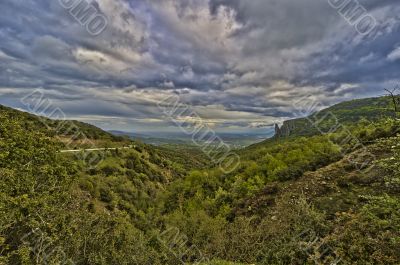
(285, 130)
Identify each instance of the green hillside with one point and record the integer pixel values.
(303, 199)
(345, 113)
(60, 128)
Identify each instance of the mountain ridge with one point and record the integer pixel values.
(347, 112)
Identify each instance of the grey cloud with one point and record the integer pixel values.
(247, 59)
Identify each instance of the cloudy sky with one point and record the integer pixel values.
(239, 64)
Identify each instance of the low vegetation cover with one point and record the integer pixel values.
(299, 199)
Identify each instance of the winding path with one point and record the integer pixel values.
(92, 149)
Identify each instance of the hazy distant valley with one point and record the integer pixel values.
(236, 140)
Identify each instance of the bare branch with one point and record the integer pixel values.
(395, 98)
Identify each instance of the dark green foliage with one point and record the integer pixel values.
(293, 200)
(33, 185)
(345, 113)
(45, 219)
(62, 128)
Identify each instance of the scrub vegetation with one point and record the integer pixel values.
(299, 199)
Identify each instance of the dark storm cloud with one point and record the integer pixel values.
(237, 63)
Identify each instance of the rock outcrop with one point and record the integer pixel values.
(285, 130)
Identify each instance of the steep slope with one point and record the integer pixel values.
(370, 109)
(322, 215)
(90, 215)
(61, 128)
(357, 218)
(298, 199)
(292, 200)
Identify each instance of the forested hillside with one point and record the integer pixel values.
(308, 198)
(60, 128)
(345, 113)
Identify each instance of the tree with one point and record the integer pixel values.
(34, 184)
(395, 98)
